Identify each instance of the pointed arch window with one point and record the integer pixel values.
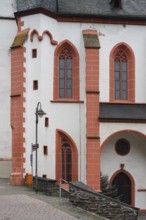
(66, 157)
(65, 73)
(120, 76)
(124, 187)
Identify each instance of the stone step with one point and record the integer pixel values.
(142, 216)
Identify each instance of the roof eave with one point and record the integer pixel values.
(77, 15)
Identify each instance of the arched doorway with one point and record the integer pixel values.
(66, 157)
(124, 185)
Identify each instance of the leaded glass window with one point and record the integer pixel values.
(66, 161)
(65, 73)
(120, 76)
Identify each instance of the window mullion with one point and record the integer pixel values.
(65, 77)
(65, 170)
(120, 79)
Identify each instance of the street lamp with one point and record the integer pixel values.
(39, 113)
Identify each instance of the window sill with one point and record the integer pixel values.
(121, 101)
(141, 190)
(66, 101)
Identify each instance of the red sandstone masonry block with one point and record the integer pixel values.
(90, 167)
(92, 131)
(93, 179)
(93, 175)
(92, 63)
(16, 180)
(92, 52)
(93, 143)
(20, 23)
(93, 160)
(92, 83)
(92, 123)
(17, 57)
(92, 58)
(90, 157)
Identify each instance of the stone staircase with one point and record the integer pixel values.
(86, 198)
(80, 195)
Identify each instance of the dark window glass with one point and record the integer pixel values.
(34, 53)
(124, 187)
(122, 147)
(65, 73)
(45, 150)
(63, 166)
(46, 122)
(68, 164)
(120, 70)
(35, 85)
(66, 161)
(116, 3)
(44, 176)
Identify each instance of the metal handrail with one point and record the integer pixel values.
(60, 187)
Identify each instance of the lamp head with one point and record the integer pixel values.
(40, 113)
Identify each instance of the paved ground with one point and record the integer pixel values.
(22, 203)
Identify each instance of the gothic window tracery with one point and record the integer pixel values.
(66, 73)
(122, 73)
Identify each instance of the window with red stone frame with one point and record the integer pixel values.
(66, 72)
(66, 157)
(122, 74)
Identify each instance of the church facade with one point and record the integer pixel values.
(83, 64)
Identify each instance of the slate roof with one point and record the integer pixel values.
(93, 8)
(50, 5)
(115, 111)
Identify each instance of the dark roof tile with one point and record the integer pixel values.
(115, 111)
(98, 8)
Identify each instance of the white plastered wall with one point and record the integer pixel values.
(135, 37)
(8, 30)
(134, 161)
(8, 7)
(69, 117)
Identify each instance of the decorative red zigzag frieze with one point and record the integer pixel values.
(40, 37)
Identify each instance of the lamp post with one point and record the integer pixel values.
(39, 113)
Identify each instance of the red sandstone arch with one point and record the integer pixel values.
(59, 135)
(34, 32)
(131, 72)
(53, 42)
(40, 37)
(132, 183)
(75, 70)
(120, 132)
